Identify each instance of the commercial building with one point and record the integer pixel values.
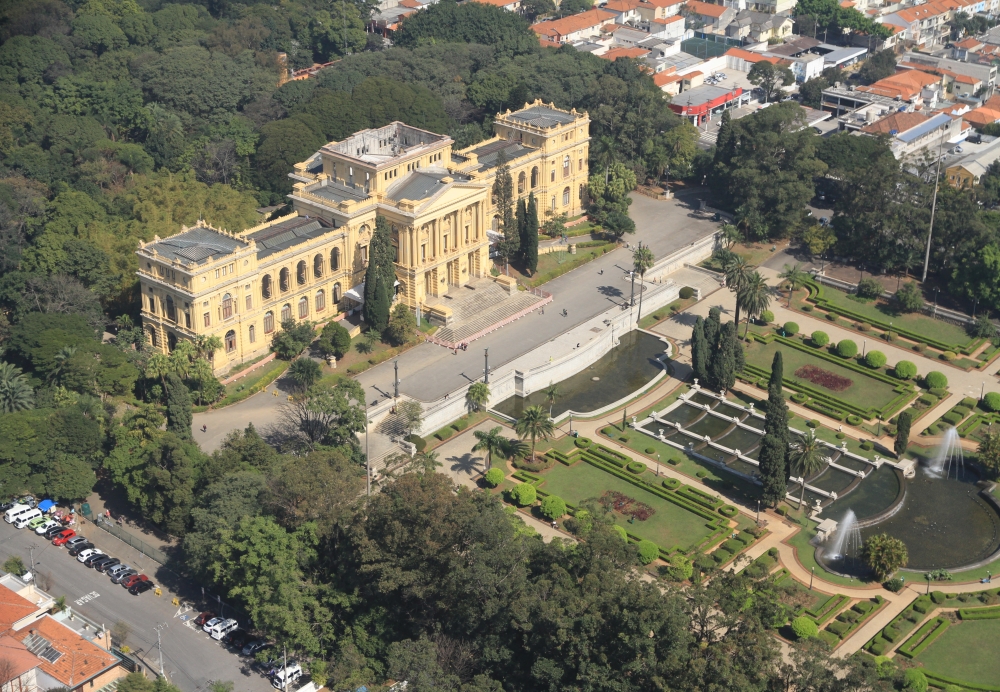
(310, 265)
(912, 133)
(698, 104)
(967, 172)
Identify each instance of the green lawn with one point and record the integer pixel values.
(670, 526)
(966, 651)
(865, 392)
(913, 321)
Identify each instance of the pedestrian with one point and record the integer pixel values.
(601, 272)
(204, 428)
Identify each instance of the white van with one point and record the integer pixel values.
(223, 628)
(14, 512)
(287, 676)
(22, 519)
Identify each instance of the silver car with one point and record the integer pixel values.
(119, 577)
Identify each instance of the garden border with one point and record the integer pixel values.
(923, 637)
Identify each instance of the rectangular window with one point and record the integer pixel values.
(216, 273)
(364, 254)
(444, 245)
(423, 253)
(187, 320)
(552, 178)
(466, 234)
(152, 305)
(249, 303)
(232, 268)
(208, 319)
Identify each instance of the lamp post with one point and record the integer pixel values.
(570, 422)
(159, 647)
(758, 512)
(486, 370)
(395, 388)
(368, 458)
(657, 465)
(811, 577)
(982, 391)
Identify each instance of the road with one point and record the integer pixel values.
(191, 659)
(428, 371)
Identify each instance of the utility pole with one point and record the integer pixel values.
(159, 646)
(395, 367)
(31, 553)
(930, 231)
(284, 667)
(486, 370)
(368, 458)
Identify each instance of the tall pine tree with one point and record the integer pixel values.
(380, 277)
(503, 203)
(712, 326)
(529, 237)
(699, 352)
(773, 457)
(178, 407)
(520, 219)
(727, 358)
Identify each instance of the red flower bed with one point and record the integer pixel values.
(824, 378)
(623, 504)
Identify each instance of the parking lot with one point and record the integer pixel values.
(191, 659)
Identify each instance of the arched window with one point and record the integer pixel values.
(286, 312)
(253, 334)
(320, 301)
(300, 272)
(520, 183)
(171, 312)
(230, 341)
(553, 202)
(566, 197)
(171, 341)
(154, 338)
(335, 259)
(534, 177)
(268, 322)
(265, 286)
(566, 166)
(227, 306)
(318, 266)
(283, 282)
(496, 224)
(336, 294)
(303, 308)
(581, 192)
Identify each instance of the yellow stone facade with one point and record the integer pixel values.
(311, 264)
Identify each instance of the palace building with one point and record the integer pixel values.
(310, 264)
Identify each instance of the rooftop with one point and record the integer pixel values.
(905, 84)
(573, 23)
(337, 192)
(542, 116)
(978, 162)
(706, 9)
(64, 654)
(195, 245)
(286, 232)
(384, 145)
(938, 121)
(422, 184)
(700, 95)
(13, 608)
(616, 53)
(489, 153)
(894, 123)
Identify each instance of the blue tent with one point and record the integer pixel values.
(46, 505)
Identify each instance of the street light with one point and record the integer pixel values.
(486, 370)
(758, 512)
(159, 646)
(811, 577)
(368, 457)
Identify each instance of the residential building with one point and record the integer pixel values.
(509, 5)
(913, 133)
(984, 115)
(926, 25)
(840, 57)
(576, 27)
(621, 52)
(744, 60)
(671, 28)
(624, 10)
(967, 172)
(807, 67)
(310, 265)
(659, 9)
(757, 26)
(712, 18)
(783, 7)
(984, 73)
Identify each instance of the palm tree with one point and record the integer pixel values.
(477, 395)
(730, 235)
(206, 346)
(426, 462)
(159, 366)
(551, 394)
(755, 297)
(806, 458)
(642, 260)
(795, 278)
(305, 371)
(534, 423)
(491, 442)
(605, 152)
(180, 360)
(737, 271)
(15, 392)
(513, 448)
(60, 360)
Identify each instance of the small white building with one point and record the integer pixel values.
(807, 67)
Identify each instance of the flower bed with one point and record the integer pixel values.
(623, 504)
(823, 378)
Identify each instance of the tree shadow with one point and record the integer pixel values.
(610, 291)
(467, 464)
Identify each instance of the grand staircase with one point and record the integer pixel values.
(481, 307)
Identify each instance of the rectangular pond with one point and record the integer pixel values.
(730, 410)
(624, 369)
(705, 399)
(710, 452)
(710, 425)
(850, 462)
(741, 439)
(683, 414)
(833, 480)
(744, 467)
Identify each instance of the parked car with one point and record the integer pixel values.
(207, 627)
(8, 504)
(80, 547)
(116, 569)
(45, 526)
(253, 647)
(63, 536)
(140, 587)
(37, 521)
(204, 617)
(27, 518)
(105, 565)
(119, 577)
(89, 562)
(75, 541)
(237, 638)
(51, 533)
(87, 553)
(133, 580)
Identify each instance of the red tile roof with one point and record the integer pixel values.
(897, 122)
(706, 9)
(616, 53)
(17, 654)
(668, 20)
(13, 607)
(906, 84)
(573, 23)
(750, 56)
(970, 43)
(661, 79)
(81, 659)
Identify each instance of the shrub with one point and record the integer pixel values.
(523, 494)
(648, 551)
(650, 450)
(847, 349)
(820, 338)
(804, 628)
(621, 532)
(609, 431)
(914, 680)
(938, 597)
(949, 356)
(733, 545)
(636, 467)
(418, 442)
(767, 317)
(895, 584)
(807, 308)
(701, 473)
(905, 370)
(553, 507)
(728, 511)
(840, 436)
(791, 328)
(919, 348)
(867, 446)
(671, 483)
(493, 477)
(831, 316)
(750, 338)
(623, 438)
(936, 380)
(869, 287)
(686, 292)
(939, 392)
(852, 419)
(890, 336)
(812, 423)
(992, 401)
(909, 298)
(680, 568)
(875, 359)
(863, 327)
(799, 397)
(780, 510)
(583, 442)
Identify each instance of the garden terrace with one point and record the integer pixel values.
(963, 653)
(848, 621)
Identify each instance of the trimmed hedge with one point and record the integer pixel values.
(700, 496)
(875, 359)
(635, 467)
(905, 370)
(824, 611)
(790, 328)
(923, 637)
(847, 349)
(991, 613)
(854, 420)
(523, 494)
(936, 380)
(820, 339)
(583, 442)
(685, 293)
(728, 511)
(992, 401)
(493, 477)
(671, 483)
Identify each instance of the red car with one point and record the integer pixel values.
(133, 580)
(63, 536)
(204, 617)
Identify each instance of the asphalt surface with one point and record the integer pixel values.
(191, 659)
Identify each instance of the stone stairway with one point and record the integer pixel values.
(480, 312)
(475, 298)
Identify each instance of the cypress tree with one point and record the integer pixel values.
(379, 277)
(712, 326)
(777, 372)
(722, 371)
(699, 352)
(520, 219)
(503, 201)
(773, 457)
(529, 238)
(902, 432)
(178, 407)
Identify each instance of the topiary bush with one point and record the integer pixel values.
(992, 401)
(671, 483)
(905, 370)
(914, 680)
(583, 442)
(650, 450)
(895, 584)
(609, 431)
(790, 328)
(867, 446)
(847, 349)
(820, 339)
(799, 397)
(853, 419)
(686, 292)
(493, 477)
(804, 628)
(949, 356)
(648, 551)
(553, 507)
(701, 474)
(523, 494)
(938, 597)
(767, 317)
(636, 467)
(813, 423)
(875, 359)
(936, 380)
